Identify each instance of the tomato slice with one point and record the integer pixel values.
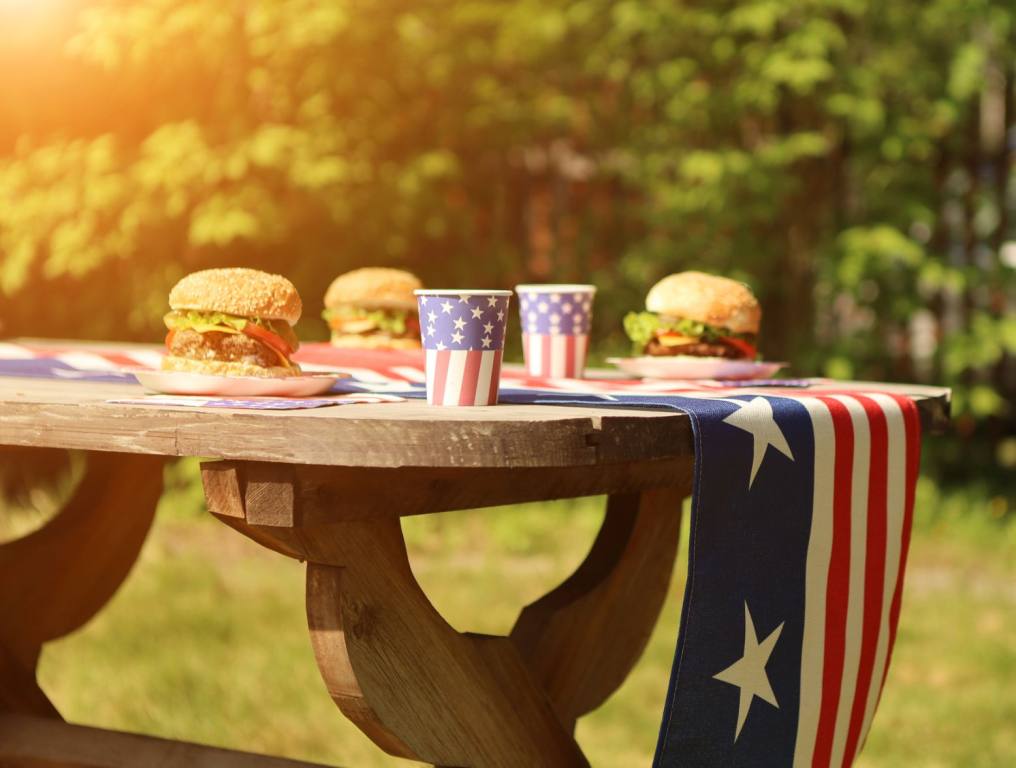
(741, 346)
(268, 338)
(169, 338)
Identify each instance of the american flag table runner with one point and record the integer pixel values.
(801, 515)
(56, 361)
(371, 370)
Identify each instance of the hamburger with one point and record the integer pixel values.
(374, 307)
(692, 313)
(232, 322)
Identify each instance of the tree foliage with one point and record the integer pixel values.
(851, 159)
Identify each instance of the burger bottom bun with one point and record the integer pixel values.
(220, 368)
(372, 341)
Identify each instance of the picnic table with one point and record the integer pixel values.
(328, 487)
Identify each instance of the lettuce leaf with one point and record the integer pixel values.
(642, 327)
(391, 321)
(204, 322)
(220, 322)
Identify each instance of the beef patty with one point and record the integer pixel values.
(698, 349)
(227, 347)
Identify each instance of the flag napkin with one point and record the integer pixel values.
(256, 403)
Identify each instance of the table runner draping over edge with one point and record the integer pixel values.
(801, 513)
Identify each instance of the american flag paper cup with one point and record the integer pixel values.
(463, 335)
(555, 328)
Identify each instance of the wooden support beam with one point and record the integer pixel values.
(396, 668)
(34, 742)
(286, 496)
(412, 683)
(55, 579)
(582, 639)
(58, 577)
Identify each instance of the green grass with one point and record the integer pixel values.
(207, 640)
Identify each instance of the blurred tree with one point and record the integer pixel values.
(852, 159)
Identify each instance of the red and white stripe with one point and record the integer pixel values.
(86, 357)
(463, 377)
(555, 356)
(862, 510)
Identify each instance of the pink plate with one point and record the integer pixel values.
(688, 367)
(182, 383)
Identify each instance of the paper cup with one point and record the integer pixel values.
(555, 328)
(463, 336)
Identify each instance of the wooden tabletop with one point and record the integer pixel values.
(75, 415)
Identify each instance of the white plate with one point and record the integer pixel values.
(183, 383)
(688, 367)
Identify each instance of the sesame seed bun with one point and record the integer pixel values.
(221, 368)
(374, 288)
(706, 299)
(238, 291)
(373, 341)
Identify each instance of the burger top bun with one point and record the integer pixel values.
(238, 291)
(374, 288)
(708, 299)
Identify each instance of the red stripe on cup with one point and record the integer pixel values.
(570, 370)
(470, 376)
(495, 377)
(436, 394)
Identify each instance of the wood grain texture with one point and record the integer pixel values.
(582, 639)
(56, 578)
(330, 494)
(75, 414)
(393, 665)
(35, 742)
(19, 691)
(434, 694)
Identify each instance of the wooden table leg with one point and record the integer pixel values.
(582, 639)
(55, 579)
(412, 683)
